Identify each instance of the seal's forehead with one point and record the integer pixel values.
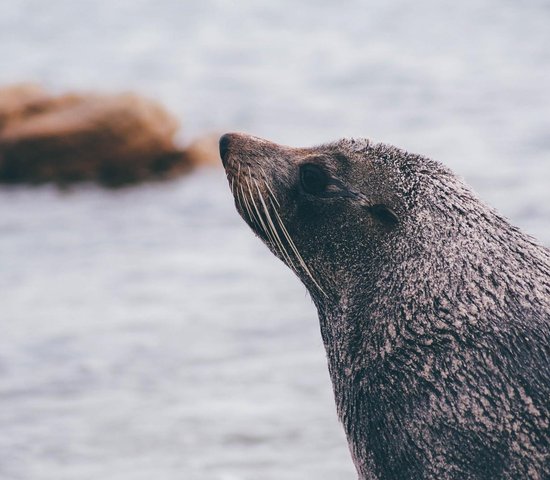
(353, 144)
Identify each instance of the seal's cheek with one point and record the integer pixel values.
(310, 215)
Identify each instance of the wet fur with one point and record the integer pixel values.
(436, 325)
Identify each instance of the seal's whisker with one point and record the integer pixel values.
(251, 211)
(247, 208)
(240, 199)
(296, 252)
(236, 195)
(264, 228)
(271, 225)
(244, 205)
(266, 182)
(272, 195)
(270, 230)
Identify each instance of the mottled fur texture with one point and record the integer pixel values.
(434, 309)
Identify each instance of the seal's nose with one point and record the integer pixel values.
(225, 141)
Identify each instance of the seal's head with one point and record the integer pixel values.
(433, 308)
(330, 211)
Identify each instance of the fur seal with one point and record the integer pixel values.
(434, 310)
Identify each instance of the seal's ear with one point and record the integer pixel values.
(384, 214)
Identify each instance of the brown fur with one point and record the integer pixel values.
(434, 310)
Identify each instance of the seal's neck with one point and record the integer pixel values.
(374, 358)
(405, 327)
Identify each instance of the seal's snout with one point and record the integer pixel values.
(239, 143)
(225, 141)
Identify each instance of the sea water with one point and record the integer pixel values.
(144, 332)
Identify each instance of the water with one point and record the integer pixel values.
(145, 333)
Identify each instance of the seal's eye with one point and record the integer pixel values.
(385, 214)
(313, 179)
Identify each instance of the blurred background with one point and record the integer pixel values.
(144, 331)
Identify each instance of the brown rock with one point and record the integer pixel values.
(113, 139)
(204, 151)
(18, 101)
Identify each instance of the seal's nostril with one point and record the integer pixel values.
(225, 140)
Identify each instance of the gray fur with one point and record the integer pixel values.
(436, 328)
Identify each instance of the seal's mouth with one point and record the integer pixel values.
(256, 201)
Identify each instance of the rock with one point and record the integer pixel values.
(204, 151)
(112, 139)
(18, 101)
